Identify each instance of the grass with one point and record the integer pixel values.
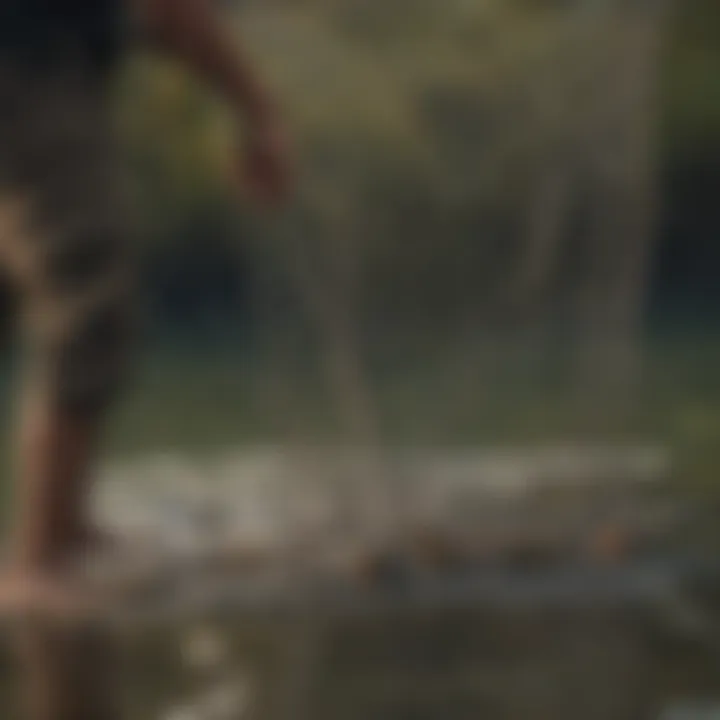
(204, 401)
(200, 401)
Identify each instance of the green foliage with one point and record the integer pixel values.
(446, 95)
(179, 145)
(415, 120)
(692, 78)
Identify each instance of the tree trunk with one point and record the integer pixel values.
(621, 211)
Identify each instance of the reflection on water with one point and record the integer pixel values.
(535, 650)
(557, 658)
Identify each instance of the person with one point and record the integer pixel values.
(65, 248)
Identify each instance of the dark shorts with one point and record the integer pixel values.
(64, 242)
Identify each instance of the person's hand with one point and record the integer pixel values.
(266, 168)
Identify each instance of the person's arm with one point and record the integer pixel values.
(192, 32)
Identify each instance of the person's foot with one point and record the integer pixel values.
(47, 593)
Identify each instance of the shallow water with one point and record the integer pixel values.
(599, 645)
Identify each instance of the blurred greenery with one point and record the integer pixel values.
(223, 399)
(417, 123)
(420, 125)
(416, 120)
(691, 87)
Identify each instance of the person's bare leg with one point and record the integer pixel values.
(52, 525)
(56, 450)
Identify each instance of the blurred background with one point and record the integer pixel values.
(505, 230)
(504, 242)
